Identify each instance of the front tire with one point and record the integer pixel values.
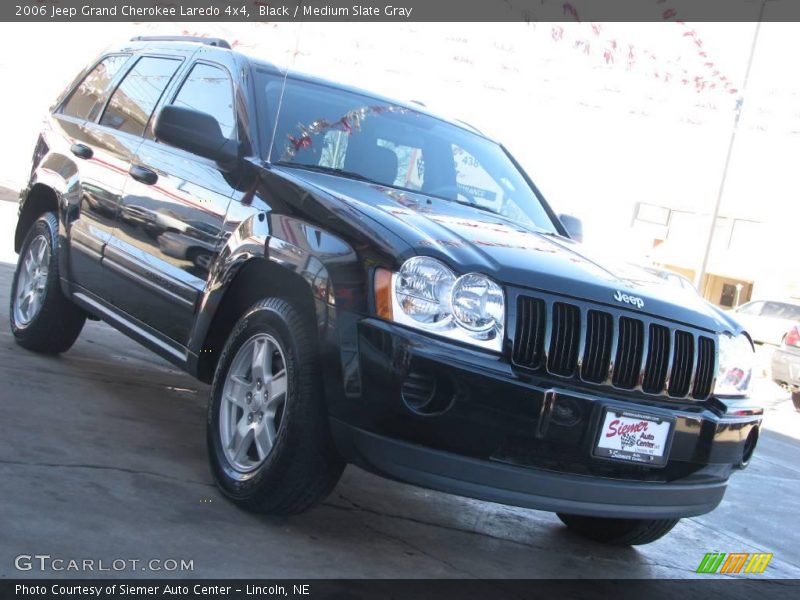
(268, 435)
(796, 400)
(618, 532)
(42, 318)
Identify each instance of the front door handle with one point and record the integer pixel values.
(81, 151)
(143, 174)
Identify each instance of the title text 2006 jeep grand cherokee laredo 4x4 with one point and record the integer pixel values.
(365, 282)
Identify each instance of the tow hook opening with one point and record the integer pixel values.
(426, 392)
(749, 447)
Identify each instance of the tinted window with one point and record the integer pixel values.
(781, 310)
(208, 89)
(333, 129)
(134, 100)
(753, 308)
(93, 86)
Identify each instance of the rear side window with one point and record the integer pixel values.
(209, 90)
(130, 107)
(93, 86)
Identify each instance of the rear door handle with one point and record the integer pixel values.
(81, 151)
(143, 174)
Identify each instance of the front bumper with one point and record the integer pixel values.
(492, 433)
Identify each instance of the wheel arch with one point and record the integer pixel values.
(255, 280)
(40, 199)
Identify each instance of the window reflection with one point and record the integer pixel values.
(94, 85)
(208, 89)
(134, 100)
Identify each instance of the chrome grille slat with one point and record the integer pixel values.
(657, 360)
(629, 353)
(683, 353)
(563, 355)
(597, 348)
(530, 332)
(609, 347)
(705, 369)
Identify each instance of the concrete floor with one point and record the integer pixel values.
(102, 456)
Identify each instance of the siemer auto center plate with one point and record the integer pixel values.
(634, 437)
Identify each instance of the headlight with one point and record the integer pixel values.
(427, 295)
(478, 303)
(422, 289)
(735, 372)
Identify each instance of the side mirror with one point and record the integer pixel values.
(196, 132)
(573, 225)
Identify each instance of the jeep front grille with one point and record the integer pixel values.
(612, 348)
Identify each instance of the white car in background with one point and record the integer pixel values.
(767, 321)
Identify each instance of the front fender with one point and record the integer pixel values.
(55, 175)
(316, 257)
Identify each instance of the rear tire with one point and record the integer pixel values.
(796, 400)
(42, 318)
(618, 532)
(269, 441)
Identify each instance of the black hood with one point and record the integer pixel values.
(470, 239)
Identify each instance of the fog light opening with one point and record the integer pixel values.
(427, 393)
(749, 447)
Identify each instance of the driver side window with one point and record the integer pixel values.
(209, 89)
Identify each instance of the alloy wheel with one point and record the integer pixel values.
(253, 399)
(32, 281)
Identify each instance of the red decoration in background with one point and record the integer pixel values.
(571, 10)
(710, 81)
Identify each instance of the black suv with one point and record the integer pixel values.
(362, 281)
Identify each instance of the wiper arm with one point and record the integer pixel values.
(477, 206)
(329, 170)
(501, 216)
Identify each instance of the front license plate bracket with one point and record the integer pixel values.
(634, 437)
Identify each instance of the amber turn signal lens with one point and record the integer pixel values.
(383, 293)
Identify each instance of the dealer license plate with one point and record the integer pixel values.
(634, 437)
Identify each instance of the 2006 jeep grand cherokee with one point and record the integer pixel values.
(364, 282)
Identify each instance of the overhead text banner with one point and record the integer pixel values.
(401, 10)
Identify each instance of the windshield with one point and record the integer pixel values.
(324, 128)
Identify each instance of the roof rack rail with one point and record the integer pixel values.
(208, 41)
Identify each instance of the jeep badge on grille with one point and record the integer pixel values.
(635, 300)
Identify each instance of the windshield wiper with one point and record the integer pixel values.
(329, 170)
(475, 205)
(502, 217)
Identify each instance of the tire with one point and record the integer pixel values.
(56, 322)
(619, 532)
(301, 465)
(796, 400)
